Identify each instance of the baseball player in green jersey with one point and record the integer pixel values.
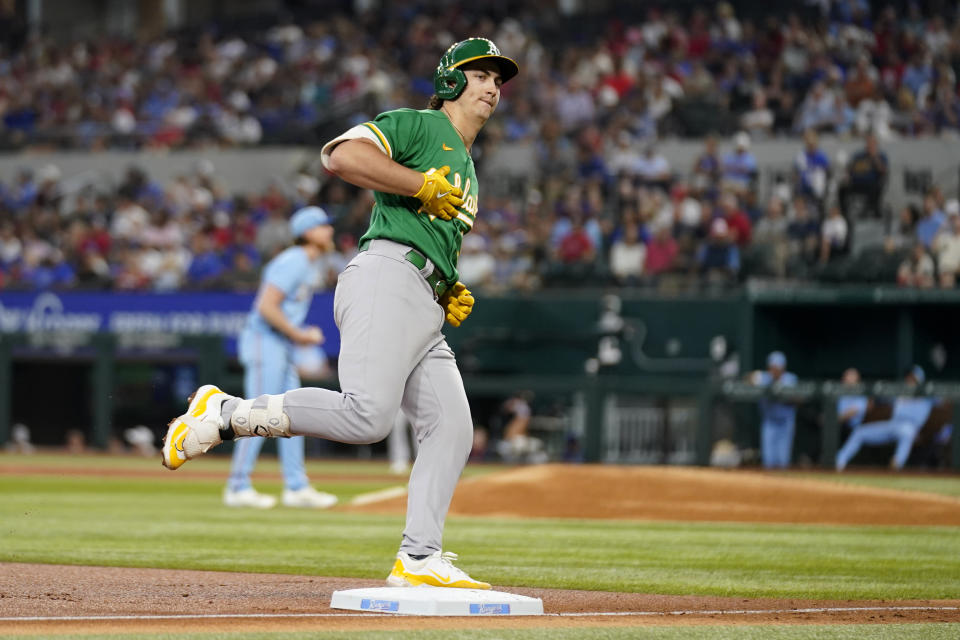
(390, 304)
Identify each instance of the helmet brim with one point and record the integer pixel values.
(508, 67)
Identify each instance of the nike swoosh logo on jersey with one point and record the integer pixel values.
(445, 147)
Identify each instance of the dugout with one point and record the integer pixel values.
(635, 374)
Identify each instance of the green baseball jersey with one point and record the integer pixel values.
(424, 140)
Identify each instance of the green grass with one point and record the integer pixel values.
(744, 632)
(141, 521)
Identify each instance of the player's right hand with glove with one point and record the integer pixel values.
(457, 303)
(439, 197)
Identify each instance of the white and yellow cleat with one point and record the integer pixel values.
(196, 431)
(435, 570)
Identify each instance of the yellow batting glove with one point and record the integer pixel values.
(439, 197)
(458, 303)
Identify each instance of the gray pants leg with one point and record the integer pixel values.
(392, 352)
(436, 403)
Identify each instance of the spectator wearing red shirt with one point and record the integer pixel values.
(661, 252)
(575, 256)
(737, 220)
(576, 246)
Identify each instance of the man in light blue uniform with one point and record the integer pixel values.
(909, 416)
(267, 344)
(778, 418)
(851, 409)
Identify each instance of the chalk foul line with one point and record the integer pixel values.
(585, 614)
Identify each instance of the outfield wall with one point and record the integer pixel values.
(620, 365)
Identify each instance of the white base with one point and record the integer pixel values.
(436, 601)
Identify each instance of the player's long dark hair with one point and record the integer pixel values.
(435, 103)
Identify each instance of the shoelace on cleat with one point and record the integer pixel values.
(447, 558)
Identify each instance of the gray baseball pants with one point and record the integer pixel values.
(393, 355)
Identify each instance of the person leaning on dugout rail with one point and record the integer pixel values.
(909, 416)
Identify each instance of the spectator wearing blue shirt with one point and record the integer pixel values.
(812, 169)
(718, 259)
(931, 221)
(909, 416)
(740, 165)
(778, 419)
(207, 264)
(266, 349)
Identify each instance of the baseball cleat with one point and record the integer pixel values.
(250, 498)
(309, 498)
(436, 570)
(193, 433)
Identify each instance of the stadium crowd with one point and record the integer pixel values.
(579, 193)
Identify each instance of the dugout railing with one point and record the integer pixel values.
(102, 357)
(824, 394)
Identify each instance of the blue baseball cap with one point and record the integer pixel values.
(918, 374)
(306, 219)
(777, 359)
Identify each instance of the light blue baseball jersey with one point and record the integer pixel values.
(771, 410)
(860, 403)
(912, 410)
(298, 277)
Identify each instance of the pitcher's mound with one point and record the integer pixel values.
(683, 493)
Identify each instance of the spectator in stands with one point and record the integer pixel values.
(875, 115)
(946, 246)
(811, 170)
(917, 270)
(821, 110)
(904, 234)
(476, 264)
(866, 176)
(628, 256)
(804, 234)
(909, 415)
(653, 169)
(930, 222)
(737, 221)
(622, 158)
(661, 253)
(834, 234)
(575, 254)
(770, 234)
(707, 168)
(861, 82)
(515, 267)
(758, 121)
(778, 418)
(740, 166)
(206, 265)
(717, 258)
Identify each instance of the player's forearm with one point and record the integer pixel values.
(363, 164)
(278, 320)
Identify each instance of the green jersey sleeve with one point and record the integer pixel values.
(398, 131)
